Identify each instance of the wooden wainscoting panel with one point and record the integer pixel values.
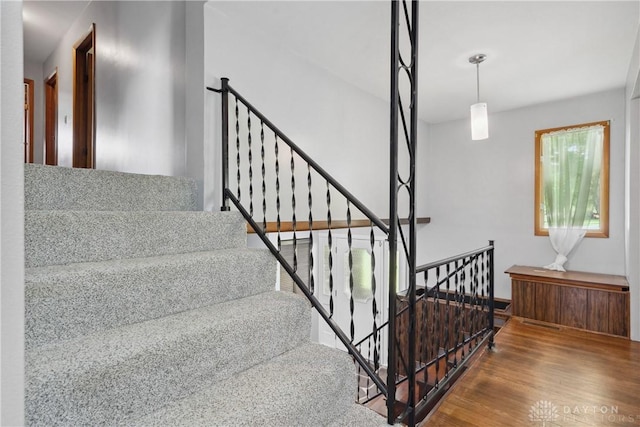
(547, 303)
(523, 299)
(618, 314)
(574, 307)
(598, 311)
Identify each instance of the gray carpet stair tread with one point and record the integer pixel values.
(142, 311)
(135, 369)
(360, 416)
(55, 188)
(311, 385)
(64, 302)
(64, 237)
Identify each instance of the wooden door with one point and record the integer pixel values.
(51, 119)
(84, 101)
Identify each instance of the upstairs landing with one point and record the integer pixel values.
(540, 374)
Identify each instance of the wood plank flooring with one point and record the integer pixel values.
(547, 376)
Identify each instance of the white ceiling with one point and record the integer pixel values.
(45, 22)
(537, 51)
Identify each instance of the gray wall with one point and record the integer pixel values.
(140, 86)
(632, 193)
(473, 191)
(33, 71)
(482, 190)
(341, 127)
(12, 217)
(195, 93)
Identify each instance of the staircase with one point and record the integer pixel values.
(141, 310)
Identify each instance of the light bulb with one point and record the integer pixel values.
(479, 121)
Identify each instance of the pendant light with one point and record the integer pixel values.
(479, 121)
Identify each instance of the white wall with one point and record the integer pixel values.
(11, 216)
(195, 93)
(33, 71)
(473, 191)
(343, 128)
(632, 193)
(140, 86)
(482, 190)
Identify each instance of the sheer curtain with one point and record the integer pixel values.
(572, 160)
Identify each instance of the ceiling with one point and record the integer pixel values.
(45, 22)
(536, 51)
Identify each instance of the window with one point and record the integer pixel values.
(572, 178)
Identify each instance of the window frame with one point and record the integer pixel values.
(603, 231)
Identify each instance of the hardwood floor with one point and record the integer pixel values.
(540, 375)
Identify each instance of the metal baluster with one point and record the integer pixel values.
(446, 320)
(491, 293)
(293, 209)
(330, 242)
(399, 365)
(264, 185)
(358, 379)
(277, 193)
(250, 163)
(352, 327)
(456, 321)
(378, 336)
(436, 326)
(463, 309)
(238, 192)
(369, 359)
(312, 286)
(473, 301)
(374, 304)
(483, 299)
(424, 329)
(477, 297)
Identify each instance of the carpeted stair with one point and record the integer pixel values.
(142, 311)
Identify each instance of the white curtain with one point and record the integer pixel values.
(572, 162)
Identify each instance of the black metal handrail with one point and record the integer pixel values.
(424, 267)
(314, 301)
(226, 90)
(466, 310)
(466, 319)
(226, 87)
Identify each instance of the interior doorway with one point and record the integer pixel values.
(84, 101)
(28, 120)
(51, 119)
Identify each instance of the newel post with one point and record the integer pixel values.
(393, 216)
(224, 90)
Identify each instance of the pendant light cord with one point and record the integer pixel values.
(478, 81)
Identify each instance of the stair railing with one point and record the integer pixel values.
(454, 319)
(253, 133)
(275, 209)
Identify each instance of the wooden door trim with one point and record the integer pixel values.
(81, 126)
(51, 119)
(28, 149)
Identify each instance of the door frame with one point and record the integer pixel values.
(84, 60)
(363, 317)
(28, 120)
(51, 119)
